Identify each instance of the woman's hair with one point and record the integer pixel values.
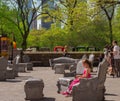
(115, 41)
(88, 62)
(65, 46)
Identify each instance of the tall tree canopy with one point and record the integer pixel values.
(25, 12)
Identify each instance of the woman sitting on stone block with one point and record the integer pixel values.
(86, 74)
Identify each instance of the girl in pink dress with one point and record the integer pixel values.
(86, 74)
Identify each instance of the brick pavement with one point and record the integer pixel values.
(13, 90)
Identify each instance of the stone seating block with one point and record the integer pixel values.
(26, 59)
(62, 60)
(22, 67)
(3, 68)
(29, 66)
(10, 74)
(2, 75)
(59, 68)
(34, 89)
(69, 74)
(63, 83)
(92, 89)
(12, 68)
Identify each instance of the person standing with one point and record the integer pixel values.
(65, 51)
(116, 56)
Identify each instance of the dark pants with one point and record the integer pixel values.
(117, 67)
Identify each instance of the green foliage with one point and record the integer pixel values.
(6, 25)
(55, 36)
(116, 23)
(34, 37)
(79, 28)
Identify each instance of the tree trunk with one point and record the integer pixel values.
(24, 43)
(110, 31)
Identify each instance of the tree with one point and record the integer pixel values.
(25, 12)
(75, 22)
(109, 10)
(26, 15)
(6, 25)
(71, 15)
(116, 22)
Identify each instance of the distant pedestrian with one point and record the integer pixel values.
(65, 51)
(116, 56)
(108, 54)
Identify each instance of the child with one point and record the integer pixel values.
(86, 74)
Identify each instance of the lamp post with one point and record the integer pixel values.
(12, 47)
(11, 57)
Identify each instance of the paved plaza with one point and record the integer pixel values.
(13, 90)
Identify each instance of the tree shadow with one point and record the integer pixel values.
(29, 71)
(107, 94)
(24, 77)
(44, 99)
(47, 99)
(13, 80)
(18, 79)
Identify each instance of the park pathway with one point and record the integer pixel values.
(13, 90)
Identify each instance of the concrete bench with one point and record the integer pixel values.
(59, 68)
(26, 59)
(63, 60)
(92, 89)
(34, 89)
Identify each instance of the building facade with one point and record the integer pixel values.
(40, 21)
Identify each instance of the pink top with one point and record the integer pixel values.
(89, 75)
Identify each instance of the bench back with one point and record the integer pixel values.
(102, 70)
(16, 60)
(79, 67)
(65, 60)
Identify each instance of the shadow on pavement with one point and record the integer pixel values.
(18, 79)
(44, 99)
(13, 80)
(24, 77)
(48, 99)
(107, 94)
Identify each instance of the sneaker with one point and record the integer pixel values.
(65, 93)
(112, 75)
